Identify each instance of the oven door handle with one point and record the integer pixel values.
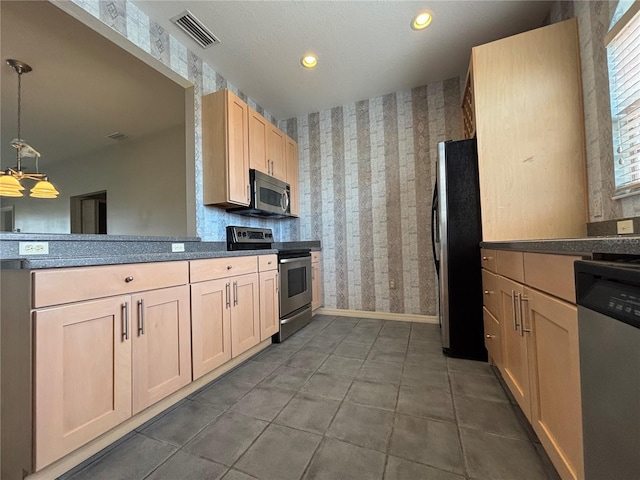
(291, 260)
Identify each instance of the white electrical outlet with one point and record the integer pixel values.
(625, 227)
(177, 247)
(33, 248)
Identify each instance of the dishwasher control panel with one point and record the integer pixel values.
(612, 289)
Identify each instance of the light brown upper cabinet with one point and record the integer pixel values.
(276, 153)
(524, 102)
(258, 135)
(266, 147)
(225, 149)
(291, 155)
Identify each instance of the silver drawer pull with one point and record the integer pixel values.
(128, 279)
(269, 263)
(229, 267)
(125, 307)
(141, 324)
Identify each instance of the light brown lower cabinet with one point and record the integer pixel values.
(269, 291)
(537, 353)
(316, 280)
(210, 325)
(96, 363)
(225, 316)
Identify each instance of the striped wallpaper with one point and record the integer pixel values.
(366, 176)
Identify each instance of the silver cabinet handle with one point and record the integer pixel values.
(513, 306)
(141, 312)
(229, 267)
(522, 329)
(488, 292)
(313, 273)
(235, 293)
(277, 282)
(248, 194)
(128, 279)
(228, 294)
(519, 311)
(125, 333)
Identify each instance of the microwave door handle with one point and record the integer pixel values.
(285, 200)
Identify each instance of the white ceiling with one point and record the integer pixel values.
(365, 48)
(84, 87)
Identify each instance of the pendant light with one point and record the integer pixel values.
(10, 185)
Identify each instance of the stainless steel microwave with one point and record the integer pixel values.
(270, 197)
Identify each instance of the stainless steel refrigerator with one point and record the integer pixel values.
(456, 232)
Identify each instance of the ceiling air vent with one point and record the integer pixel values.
(195, 29)
(117, 136)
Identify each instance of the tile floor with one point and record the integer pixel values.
(344, 398)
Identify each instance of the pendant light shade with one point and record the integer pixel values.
(10, 185)
(44, 189)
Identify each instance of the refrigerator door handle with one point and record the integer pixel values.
(435, 234)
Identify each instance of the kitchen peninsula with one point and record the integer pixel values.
(113, 317)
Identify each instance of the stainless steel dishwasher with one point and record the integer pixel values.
(608, 297)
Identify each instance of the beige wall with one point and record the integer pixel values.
(144, 180)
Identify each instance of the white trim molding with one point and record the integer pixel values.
(398, 317)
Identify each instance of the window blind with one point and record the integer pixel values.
(624, 82)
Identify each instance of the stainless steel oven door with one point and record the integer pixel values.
(295, 284)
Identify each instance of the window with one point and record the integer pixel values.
(623, 51)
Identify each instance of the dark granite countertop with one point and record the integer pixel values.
(90, 250)
(619, 244)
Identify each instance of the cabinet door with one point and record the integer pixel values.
(291, 155)
(210, 325)
(515, 365)
(316, 283)
(245, 313)
(82, 374)
(161, 344)
(225, 149)
(269, 312)
(258, 137)
(530, 130)
(238, 150)
(556, 408)
(276, 153)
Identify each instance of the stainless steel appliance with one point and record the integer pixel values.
(608, 297)
(456, 232)
(269, 197)
(294, 266)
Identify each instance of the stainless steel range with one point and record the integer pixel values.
(294, 266)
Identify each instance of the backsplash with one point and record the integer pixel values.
(366, 180)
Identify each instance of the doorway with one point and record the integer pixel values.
(89, 213)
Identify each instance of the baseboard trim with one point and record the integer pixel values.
(399, 317)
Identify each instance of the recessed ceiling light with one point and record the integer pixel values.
(309, 61)
(422, 20)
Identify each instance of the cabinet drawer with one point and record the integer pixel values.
(552, 274)
(267, 262)
(66, 285)
(214, 268)
(492, 337)
(490, 294)
(488, 259)
(316, 257)
(509, 264)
